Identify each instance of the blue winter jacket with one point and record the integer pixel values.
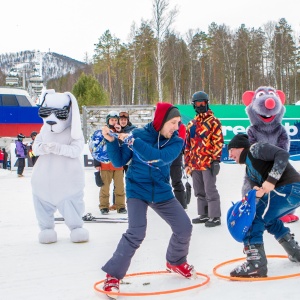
(148, 174)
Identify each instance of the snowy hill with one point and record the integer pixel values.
(54, 65)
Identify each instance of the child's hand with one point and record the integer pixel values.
(259, 191)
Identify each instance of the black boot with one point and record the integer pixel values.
(291, 247)
(256, 264)
(202, 218)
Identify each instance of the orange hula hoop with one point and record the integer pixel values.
(207, 279)
(252, 278)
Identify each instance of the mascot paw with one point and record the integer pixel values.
(47, 236)
(79, 235)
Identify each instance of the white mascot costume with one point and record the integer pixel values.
(58, 176)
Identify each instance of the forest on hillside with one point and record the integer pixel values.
(158, 64)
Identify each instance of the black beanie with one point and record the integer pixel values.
(239, 141)
(163, 113)
(173, 112)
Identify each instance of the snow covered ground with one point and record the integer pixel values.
(67, 271)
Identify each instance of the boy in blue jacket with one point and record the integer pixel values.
(153, 149)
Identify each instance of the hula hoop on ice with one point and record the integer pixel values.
(207, 279)
(253, 278)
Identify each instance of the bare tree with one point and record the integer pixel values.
(269, 30)
(162, 20)
(136, 48)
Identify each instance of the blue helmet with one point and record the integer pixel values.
(240, 216)
(98, 148)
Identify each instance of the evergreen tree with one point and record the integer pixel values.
(88, 91)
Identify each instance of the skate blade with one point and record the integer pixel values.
(114, 297)
(194, 274)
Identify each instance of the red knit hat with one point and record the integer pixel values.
(163, 113)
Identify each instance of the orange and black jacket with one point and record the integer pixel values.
(204, 141)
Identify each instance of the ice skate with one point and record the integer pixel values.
(183, 269)
(111, 284)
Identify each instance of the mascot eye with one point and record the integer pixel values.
(259, 94)
(272, 93)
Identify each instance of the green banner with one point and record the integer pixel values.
(234, 120)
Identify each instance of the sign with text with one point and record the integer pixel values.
(234, 120)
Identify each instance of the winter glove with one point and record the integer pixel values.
(98, 179)
(129, 139)
(44, 148)
(215, 167)
(54, 148)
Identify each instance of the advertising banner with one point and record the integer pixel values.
(234, 120)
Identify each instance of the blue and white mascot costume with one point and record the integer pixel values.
(58, 176)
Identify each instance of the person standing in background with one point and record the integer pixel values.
(5, 156)
(106, 172)
(124, 126)
(176, 171)
(31, 154)
(21, 153)
(204, 143)
(1, 158)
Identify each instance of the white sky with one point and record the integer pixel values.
(72, 27)
(67, 271)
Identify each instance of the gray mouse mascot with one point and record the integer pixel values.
(265, 109)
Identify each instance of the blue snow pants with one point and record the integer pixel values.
(278, 207)
(172, 212)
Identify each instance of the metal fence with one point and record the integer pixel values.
(94, 117)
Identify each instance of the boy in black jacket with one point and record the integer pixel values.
(278, 192)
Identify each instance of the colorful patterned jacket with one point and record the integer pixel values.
(204, 141)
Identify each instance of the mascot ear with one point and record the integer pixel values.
(247, 97)
(76, 131)
(281, 95)
(44, 94)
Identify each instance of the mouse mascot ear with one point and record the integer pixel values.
(76, 131)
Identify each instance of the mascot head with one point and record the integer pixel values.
(60, 111)
(264, 106)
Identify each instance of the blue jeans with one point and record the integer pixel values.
(278, 207)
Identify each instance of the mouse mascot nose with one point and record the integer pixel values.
(270, 103)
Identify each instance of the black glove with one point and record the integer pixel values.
(215, 168)
(98, 179)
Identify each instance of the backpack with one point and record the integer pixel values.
(98, 148)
